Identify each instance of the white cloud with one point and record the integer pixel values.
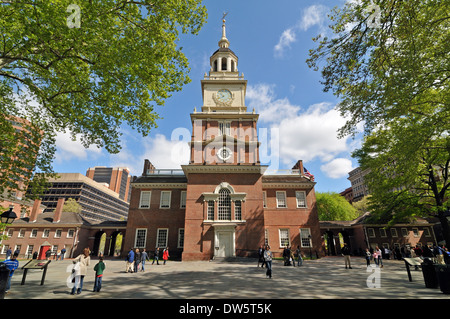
(286, 38)
(262, 98)
(162, 152)
(314, 15)
(309, 135)
(312, 135)
(337, 168)
(67, 149)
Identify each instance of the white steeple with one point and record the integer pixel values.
(224, 43)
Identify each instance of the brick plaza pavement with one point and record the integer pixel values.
(324, 278)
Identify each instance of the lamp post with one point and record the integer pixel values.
(8, 217)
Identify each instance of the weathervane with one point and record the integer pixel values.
(224, 15)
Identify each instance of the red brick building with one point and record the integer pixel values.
(222, 204)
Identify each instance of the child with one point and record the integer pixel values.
(99, 268)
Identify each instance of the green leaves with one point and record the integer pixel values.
(394, 78)
(116, 64)
(332, 206)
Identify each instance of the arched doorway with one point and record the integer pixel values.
(115, 244)
(99, 243)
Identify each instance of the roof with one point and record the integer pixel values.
(365, 220)
(160, 179)
(45, 219)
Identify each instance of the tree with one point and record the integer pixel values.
(88, 68)
(393, 77)
(362, 206)
(332, 206)
(71, 205)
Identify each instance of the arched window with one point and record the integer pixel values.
(224, 208)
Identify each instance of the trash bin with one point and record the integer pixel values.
(429, 274)
(443, 275)
(4, 274)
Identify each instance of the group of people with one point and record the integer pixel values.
(266, 257)
(79, 270)
(289, 256)
(375, 255)
(135, 260)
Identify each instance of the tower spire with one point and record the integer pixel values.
(224, 43)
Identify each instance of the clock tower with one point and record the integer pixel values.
(224, 189)
(224, 132)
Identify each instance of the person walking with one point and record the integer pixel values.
(292, 258)
(368, 256)
(299, 256)
(261, 256)
(12, 264)
(379, 257)
(84, 261)
(166, 254)
(346, 253)
(63, 253)
(144, 258)
(130, 261)
(156, 256)
(99, 268)
(137, 260)
(268, 259)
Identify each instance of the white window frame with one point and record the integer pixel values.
(394, 232)
(158, 237)
(10, 232)
(224, 128)
(142, 204)
(136, 238)
(22, 232)
(371, 232)
(33, 233)
(46, 233)
(58, 233)
(266, 236)
(299, 200)
(183, 199)
(383, 232)
(180, 241)
(305, 234)
(283, 239)
(285, 199)
(416, 233)
(426, 232)
(163, 205)
(70, 233)
(238, 210)
(405, 232)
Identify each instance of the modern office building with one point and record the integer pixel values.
(97, 201)
(117, 178)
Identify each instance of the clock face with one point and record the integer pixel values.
(224, 153)
(223, 96)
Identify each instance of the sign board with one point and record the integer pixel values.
(36, 264)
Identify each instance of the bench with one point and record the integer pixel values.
(412, 262)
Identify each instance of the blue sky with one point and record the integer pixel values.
(297, 119)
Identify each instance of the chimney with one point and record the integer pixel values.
(148, 167)
(35, 210)
(299, 166)
(58, 210)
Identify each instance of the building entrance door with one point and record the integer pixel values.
(224, 244)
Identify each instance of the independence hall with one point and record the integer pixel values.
(223, 203)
